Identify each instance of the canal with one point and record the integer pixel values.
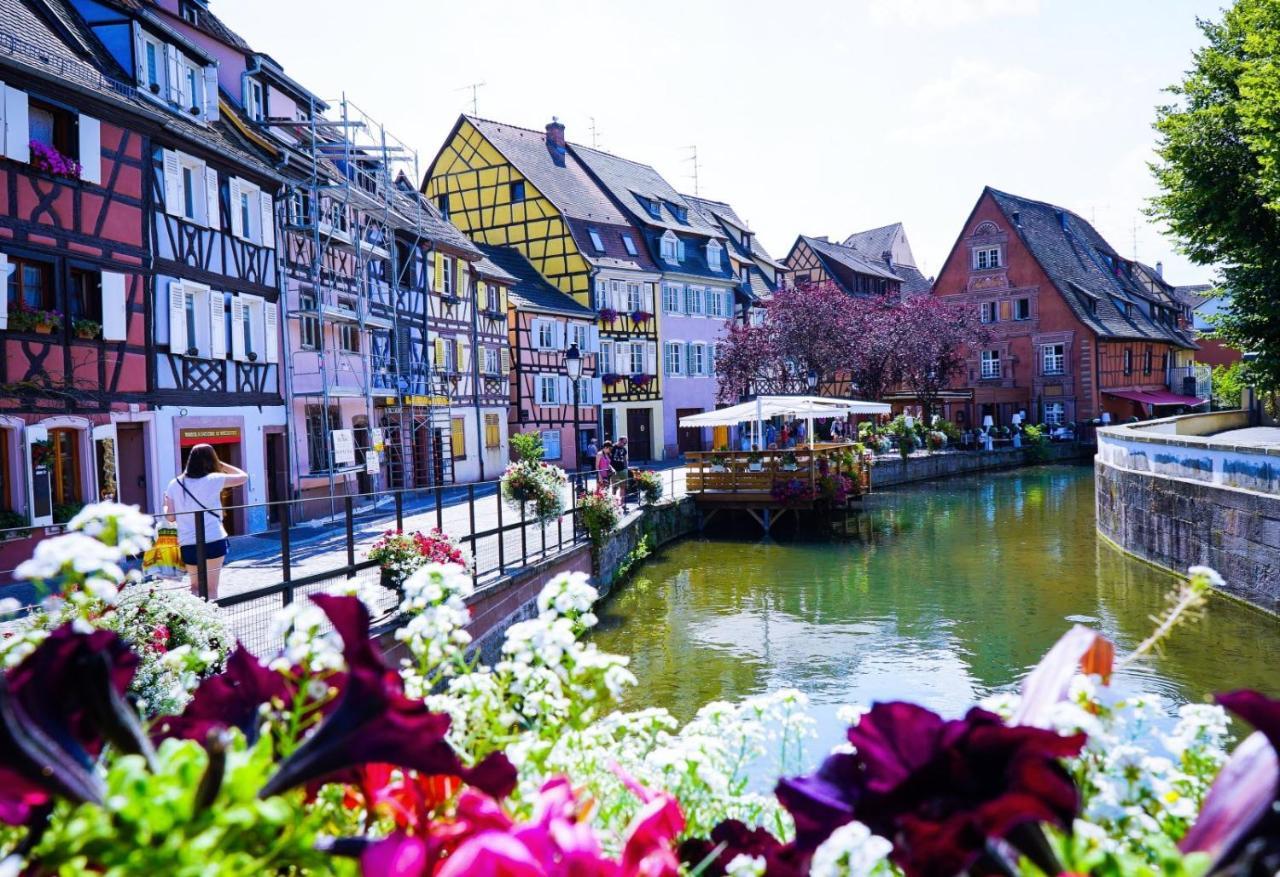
(947, 592)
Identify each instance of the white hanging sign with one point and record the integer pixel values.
(344, 446)
(371, 464)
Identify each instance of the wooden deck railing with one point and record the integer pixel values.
(750, 476)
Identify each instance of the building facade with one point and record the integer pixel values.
(1075, 331)
(73, 378)
(510, 186)
(543, 323)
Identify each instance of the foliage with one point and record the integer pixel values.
(906, 435)
(792, 491)
(936, 439)
(527, 447)
(1220, 178)
(86, 328)
(1036, 442)
(536, 488)
(65, 511)
(648, 484)
(25, 319)
(45, 158)
(834, 488)
(600, 512)
(179, 638)
(400, 554)
(14, 523)
(644, 547)
(948, 429)
(1229, 382)
(937, 335)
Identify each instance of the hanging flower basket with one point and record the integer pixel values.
(641, 316)
(641, 380)
(535, 488)
(608, 316)
(610, 379)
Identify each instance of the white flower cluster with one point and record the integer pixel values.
(1141, 772)
(122, 526)
(435, 602)
(746, 866)
(851, 851)
(75, 558)
(308, 640)
(569, 595)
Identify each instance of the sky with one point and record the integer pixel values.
(821, 118)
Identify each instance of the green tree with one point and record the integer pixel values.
(1228, 384)
(1219, 173)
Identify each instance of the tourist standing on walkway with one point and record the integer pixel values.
(621, 462)
(198, 491)
(604, 465)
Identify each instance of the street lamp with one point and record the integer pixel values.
(573, 368)
(812, 378)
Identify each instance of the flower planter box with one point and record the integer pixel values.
(43, 329)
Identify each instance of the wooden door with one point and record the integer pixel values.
(277, 476)
(132, 475)
(639, 434)
(688, 438)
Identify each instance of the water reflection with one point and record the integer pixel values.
(941, 594)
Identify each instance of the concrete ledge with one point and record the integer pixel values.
(890, 473)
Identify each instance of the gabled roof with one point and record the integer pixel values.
(838, 256)
(531, 290)
(875, 242)
(1193, 295)
(418, 214)
(630, 181)
(1085, 269)
(722, 214)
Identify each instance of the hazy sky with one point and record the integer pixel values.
(814, 117)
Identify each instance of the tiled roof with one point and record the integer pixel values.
(913, 282)
(418, 213)
(76, 56)
(718, 212)
(1094, 280)
(847, 258)
(629, 181)
(531, 290)
(208, 23)
(874, 242)
(486, 268)
(1194, 294)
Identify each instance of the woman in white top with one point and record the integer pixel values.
(198, 491)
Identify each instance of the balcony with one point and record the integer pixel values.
(1191, 380)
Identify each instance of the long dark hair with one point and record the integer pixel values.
(202, 460)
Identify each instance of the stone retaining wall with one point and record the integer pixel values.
(1170, 494)
(891, 472)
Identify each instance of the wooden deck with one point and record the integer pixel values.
(746, 480)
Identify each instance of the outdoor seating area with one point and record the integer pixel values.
(795, 478)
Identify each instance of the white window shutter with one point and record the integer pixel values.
(651, 357)
(270, 322)
(33, 434)
(172, 183)
(267, 208)
(115, 315)
(139, 56)
(593, 339)
(4, 284)
(558, 335)
(178, 341)
(90, 149)
(237, 220)
(211, 112)
(17, 127)
(213, 211)
(217, 325)
(688, 361)
(238, 317)
(174, 74)
(504, 357)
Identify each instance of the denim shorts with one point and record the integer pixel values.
(212, 551)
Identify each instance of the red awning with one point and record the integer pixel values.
(1156, 397)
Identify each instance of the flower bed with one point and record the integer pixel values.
(326, 760)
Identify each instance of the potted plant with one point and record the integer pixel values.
(648, 484)
(789, 462)
(87, 329)
(936, 439)
(608, 316)
(13, 525)
(718, 463)
(755, 461)
(641, 380)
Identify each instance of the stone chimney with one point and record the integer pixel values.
(887, 255)
(1160, 269)
(555, 141)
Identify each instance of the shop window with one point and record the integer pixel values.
(65, 464)
(492, 431)
(458, 438)
(31, 286)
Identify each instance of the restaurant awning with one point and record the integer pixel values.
(1156, 397)
(764, 407)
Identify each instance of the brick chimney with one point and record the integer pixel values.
(555, 141)
(1160, 269)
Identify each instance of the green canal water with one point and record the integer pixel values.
(947, 592)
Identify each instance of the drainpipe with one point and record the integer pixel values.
(473, 283)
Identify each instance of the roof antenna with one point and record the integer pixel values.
(595, 134)
(474, 88)
(693, 158)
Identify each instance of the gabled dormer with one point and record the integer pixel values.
(714, 251)
(670, 248)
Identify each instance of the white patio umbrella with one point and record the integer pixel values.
(763, 407)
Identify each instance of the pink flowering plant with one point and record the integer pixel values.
(401, 554)
(792, 491)
(51, 161)
(530, 484)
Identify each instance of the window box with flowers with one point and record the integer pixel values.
(31, 320)
(608, 316)
(641, 317)
(87, 329)
(641, 380)
(610, 378)
(49, 160)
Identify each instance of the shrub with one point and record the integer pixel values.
(1228, 384)
(527, 446)
(599, 512)
(648, 484)
(1037, 442)
(936, 439)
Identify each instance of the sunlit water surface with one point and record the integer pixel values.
(945, 593)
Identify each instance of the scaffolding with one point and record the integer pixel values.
(346, 197)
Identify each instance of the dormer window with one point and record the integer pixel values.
(169, 77)
(680, 213)
(713, 255)
(255, 106)
(190, 12)
(629, 244)
(985, 258)
(595, 240)
(670, 249)
(152, 65)
(652, 207)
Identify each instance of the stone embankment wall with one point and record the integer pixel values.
(1170, 493)
(926, 467)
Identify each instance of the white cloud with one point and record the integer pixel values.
(979, 102)
(948, 13)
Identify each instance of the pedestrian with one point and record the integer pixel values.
(771, 436)
(198, 491)
(591, 453)
(604, 465)
(786, 436)
(619, 459)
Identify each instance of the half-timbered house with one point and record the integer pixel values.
(73, 149)
(543, 323)
(510, 186)
(818, 260)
